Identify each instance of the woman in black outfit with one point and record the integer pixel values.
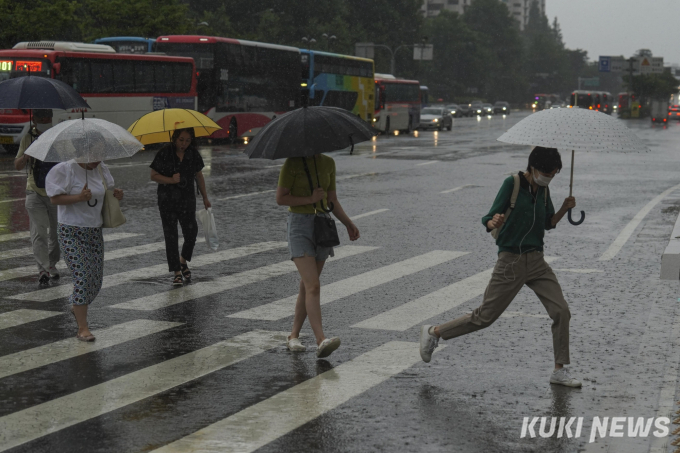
(174, 168)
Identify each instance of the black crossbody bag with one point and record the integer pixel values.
(325, 231)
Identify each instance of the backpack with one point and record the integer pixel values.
(513, 201)
(40, 170)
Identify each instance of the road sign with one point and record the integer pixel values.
(591, 82)
(605, 64)
(422, 51)
(364, 50)
(647, 65)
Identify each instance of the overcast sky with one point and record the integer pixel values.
(619, 27)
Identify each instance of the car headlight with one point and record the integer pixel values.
(435, 120)
(504, 108)
(375, 119)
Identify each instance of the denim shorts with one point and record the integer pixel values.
(301, 238)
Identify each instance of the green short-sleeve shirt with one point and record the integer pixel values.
(294, 178)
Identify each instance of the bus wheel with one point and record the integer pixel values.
(233, 131)
(12, 150)
(387, 127)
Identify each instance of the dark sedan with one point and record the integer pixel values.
(501, 108)
(456, 110)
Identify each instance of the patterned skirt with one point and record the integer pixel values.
(83, 251)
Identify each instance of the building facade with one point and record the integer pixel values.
(519, 9)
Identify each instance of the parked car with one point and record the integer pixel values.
(456, 110)
(488, 109)
(674, 112)
(476, 108)
(436, 118)
(501, 108)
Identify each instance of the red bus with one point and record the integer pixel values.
(119, 87)
(242, 85)
(397, 104)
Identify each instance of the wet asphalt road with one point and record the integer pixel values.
(202, 367)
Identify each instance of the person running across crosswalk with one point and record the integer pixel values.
(309, 258)
(520, 261)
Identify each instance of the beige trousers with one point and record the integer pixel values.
(43, 217)
(509, 275)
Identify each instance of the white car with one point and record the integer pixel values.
(436, 118)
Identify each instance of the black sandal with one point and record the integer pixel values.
(177, 280)
(186, 273)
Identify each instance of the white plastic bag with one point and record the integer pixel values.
(207, 219)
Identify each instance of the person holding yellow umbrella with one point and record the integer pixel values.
(175, 168)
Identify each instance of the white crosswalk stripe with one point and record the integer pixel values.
(14, 236)
(367, 214)
(52, 416)
(22, 316)
(417, 311)
(26, 251)
(70, 347)
(57, 292)
(198, 290)
(344, 288)
(262, 423)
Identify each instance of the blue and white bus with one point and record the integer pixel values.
(338, 80)
(129, 44)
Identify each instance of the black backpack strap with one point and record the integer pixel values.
(309, 178)
(318, 181)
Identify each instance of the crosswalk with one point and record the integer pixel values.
(251, 427)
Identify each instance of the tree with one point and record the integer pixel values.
(39, 19)
(653, 86)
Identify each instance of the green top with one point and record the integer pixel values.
(294, 177)
(519, 221)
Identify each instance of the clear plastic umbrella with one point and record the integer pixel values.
(84, 140)
(574, 129)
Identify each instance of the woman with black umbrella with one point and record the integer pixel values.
(174, 168)
(295, 179)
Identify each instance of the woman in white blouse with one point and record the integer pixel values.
(78, 190)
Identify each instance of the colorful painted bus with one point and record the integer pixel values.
(128, 44)
(397, 106)
(119, 87)
(339, 81)
(242, 85)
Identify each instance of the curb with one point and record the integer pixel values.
(670, 260)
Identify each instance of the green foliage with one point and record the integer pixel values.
(29, 21)
(653, 86)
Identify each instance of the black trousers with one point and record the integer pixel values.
(187, 220)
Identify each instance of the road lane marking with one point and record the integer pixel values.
(419, 310)
(427, 163)
(70, 347)
(628, 230)
(234, 197)
(262, 423)
(516, 314)
(12, 200)
(366, 214)
(22, 316)
(52, 416)
(456, 189)
(198, 290)
(344, 288)
(14, 236)
(124, 252)
(45, 295)
(580, 271)
(262, 192)
(14, 253)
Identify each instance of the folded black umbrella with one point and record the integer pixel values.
(308, 131)
(32, 92)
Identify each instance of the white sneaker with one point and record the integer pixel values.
(562, 377)
(54, 273)
(294, 345)
(327, 347)
(428, 343)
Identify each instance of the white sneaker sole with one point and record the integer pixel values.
(424, 337)
(329, 348)
(566, 384)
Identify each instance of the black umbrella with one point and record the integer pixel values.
(308, 131)
(32, 92)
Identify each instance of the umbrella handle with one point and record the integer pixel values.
(330, 208)
(583, 217)
(92, 205)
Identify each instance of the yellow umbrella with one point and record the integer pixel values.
(158, 126)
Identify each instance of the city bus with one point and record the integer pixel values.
(128, 44)
(118, 87)
(242, 85)
(602, 101)
(338, 81)
(397, 106)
